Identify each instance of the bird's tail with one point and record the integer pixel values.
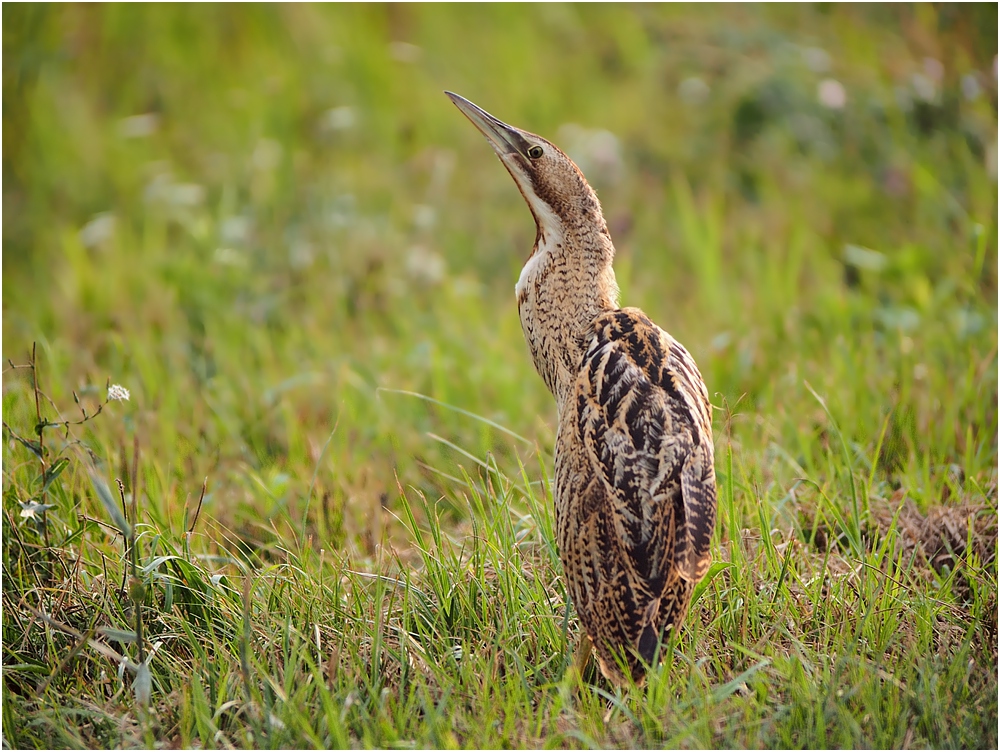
(663, 613)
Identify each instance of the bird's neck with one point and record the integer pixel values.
(567, 282)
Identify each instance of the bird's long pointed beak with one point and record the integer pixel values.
(505, 139)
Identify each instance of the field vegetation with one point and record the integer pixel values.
(323, 518)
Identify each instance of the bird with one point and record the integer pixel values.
(634, 487)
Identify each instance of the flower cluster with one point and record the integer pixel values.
(116, 392)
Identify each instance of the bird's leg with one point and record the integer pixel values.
(571, 687)
(582, 657)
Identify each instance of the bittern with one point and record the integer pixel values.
(635, 495)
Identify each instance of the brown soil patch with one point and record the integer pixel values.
(943, 536)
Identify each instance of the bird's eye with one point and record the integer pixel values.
(535, 152)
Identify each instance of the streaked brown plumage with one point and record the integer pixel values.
(635, 490)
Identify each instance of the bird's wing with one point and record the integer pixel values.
(645, 421)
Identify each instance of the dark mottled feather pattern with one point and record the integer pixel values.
(632, 441)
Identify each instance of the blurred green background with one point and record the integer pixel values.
(254, 216)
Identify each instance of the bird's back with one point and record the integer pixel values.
(635, 487)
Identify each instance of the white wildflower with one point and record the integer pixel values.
(116, 392)
(934, 69)
(831, 94)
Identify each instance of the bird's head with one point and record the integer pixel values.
(556, 191)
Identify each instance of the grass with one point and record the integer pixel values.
(323, 518)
